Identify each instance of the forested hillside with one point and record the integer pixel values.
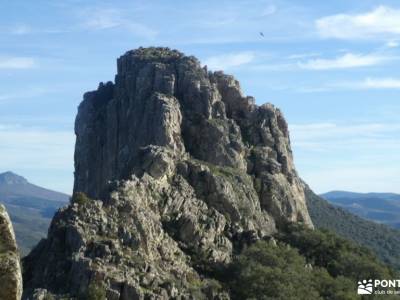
(383, 240)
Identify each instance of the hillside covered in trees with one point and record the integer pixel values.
(300, 263)
(381, 239)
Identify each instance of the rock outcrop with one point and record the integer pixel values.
(185, 170)
(10, 269)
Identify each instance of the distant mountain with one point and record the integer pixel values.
(379, 207)
(30, 207)
(381, 239)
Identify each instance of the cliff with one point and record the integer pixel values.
(185, 170)
(10, 269)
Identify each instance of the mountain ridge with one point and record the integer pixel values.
(381, 239)
(349, 194)
(9, 177)
(14, 184)
(30, 207)
(378, 207)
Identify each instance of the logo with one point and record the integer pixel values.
(365, 287)
(378, 287)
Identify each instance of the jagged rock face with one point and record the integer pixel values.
(10, 269)
(186, 170)
(165, 108)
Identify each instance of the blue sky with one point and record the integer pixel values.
(332, 67)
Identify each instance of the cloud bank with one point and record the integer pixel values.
(380, 22)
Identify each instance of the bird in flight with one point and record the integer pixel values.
(262, 34)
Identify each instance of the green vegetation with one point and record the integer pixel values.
(49, 297)
(303, 264)
(257, 185)
(218, 123)
(264, 271)
(339, 256)
(95, 291)
(223, 171)
(80, 198)
(381, 239)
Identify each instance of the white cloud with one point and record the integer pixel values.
(312, 89)
(346, 61)
(25, 29)
(27, 93)
(380, 22)
(365, 84)
(269, 10)
(368, 84)
(35, 148)
(17, 63)
(381, 83)
(303, 55)
(102, 18)
(223, 62)
(392, 44)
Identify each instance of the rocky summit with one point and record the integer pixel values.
(10, 269)
(175, 171)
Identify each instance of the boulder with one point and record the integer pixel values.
(10, 269)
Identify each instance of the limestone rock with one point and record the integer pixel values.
(10, 269)
(185, 171)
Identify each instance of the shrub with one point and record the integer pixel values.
(339, 256)
(80, 198)
(48, 297)
(304, 264)
(96, 291)
(264, 271)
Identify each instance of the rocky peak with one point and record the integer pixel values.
(10, 178)
(10, 270)
(166, 99)
(185, 169)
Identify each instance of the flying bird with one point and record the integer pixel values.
(262, 34)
